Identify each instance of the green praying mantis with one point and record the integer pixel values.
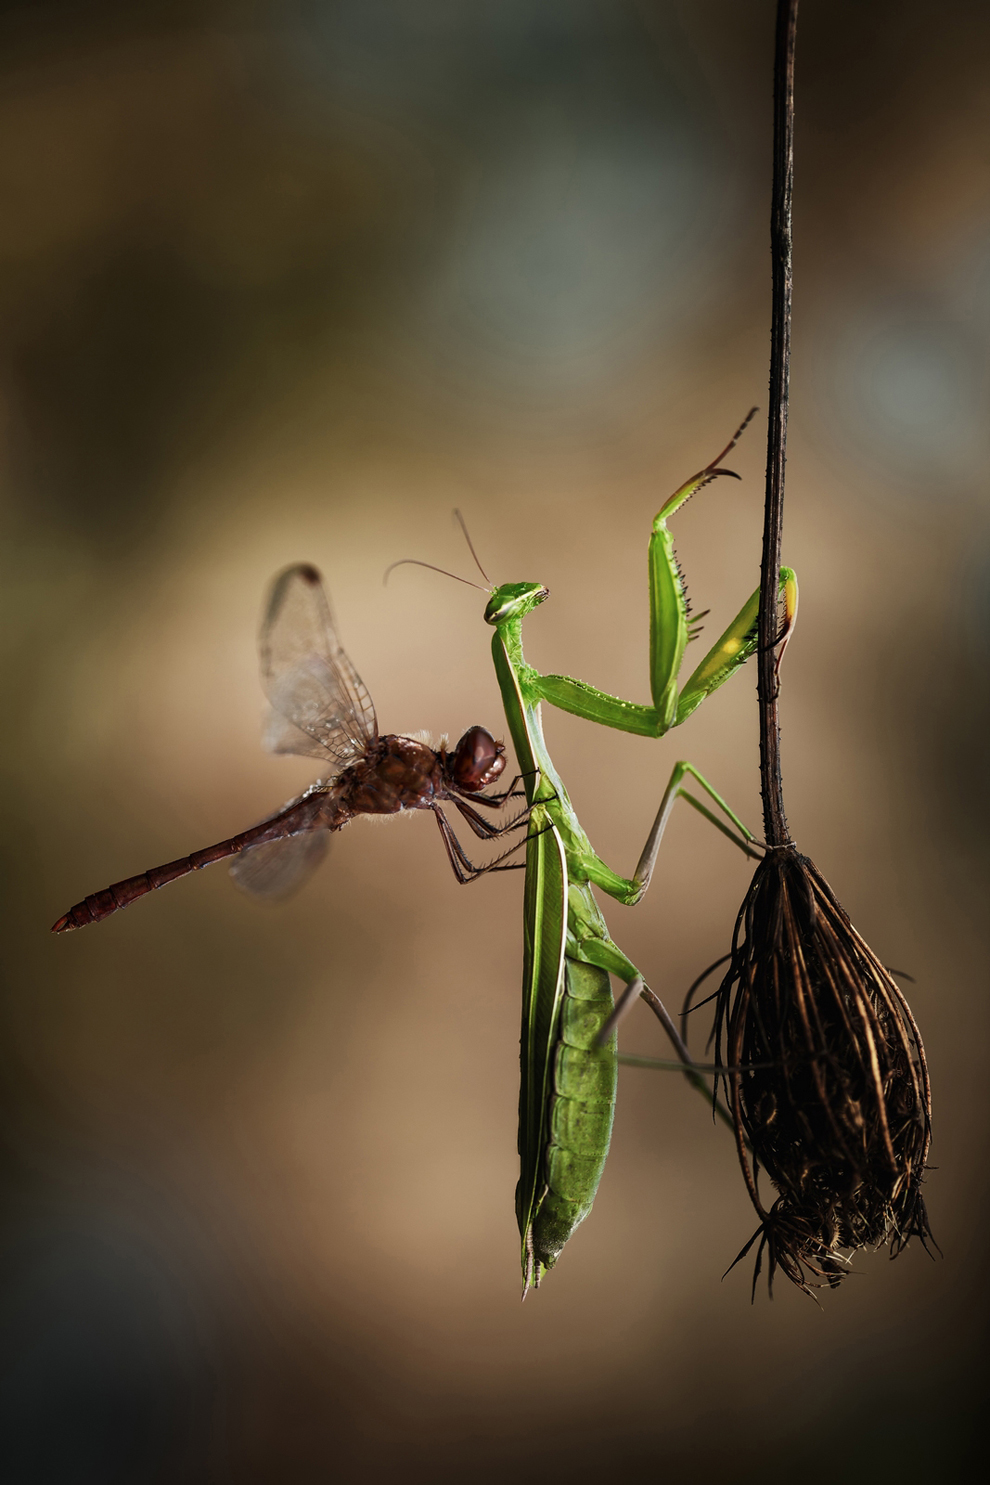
(568, 1049)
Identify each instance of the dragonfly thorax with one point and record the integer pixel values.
(396, 773)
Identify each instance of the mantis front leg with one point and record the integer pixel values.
(727, 655)
(671, 629)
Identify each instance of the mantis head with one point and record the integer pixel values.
(514, 601)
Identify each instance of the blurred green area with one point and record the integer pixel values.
(290, 281)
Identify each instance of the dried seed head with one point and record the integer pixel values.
(827, 1080)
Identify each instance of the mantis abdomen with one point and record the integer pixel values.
(567, 1090)
(579, 1114)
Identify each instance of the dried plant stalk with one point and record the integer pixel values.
(834, 1099)
(820, 1054)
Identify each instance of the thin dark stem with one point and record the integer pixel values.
(774, 819)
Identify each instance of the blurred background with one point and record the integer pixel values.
(291, 280)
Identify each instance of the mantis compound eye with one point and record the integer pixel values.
(478, 760)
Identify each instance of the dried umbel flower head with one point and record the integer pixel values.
(826, 1078)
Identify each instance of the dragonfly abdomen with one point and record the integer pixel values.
(310, 813)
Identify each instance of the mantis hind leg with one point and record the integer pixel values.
(608, 956)
(496, 801)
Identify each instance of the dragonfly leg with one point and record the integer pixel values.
(481, 826)
(463, 869)
(496, 801)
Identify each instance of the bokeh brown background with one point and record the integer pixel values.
(291, 280)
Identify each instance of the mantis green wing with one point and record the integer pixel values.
(568, 1081)
(544, 935)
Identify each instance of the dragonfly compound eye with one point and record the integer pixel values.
(478, 759)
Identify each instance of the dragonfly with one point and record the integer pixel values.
(320, 708)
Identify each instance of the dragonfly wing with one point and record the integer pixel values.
(277, 868)
(282, 736)
(308, 678)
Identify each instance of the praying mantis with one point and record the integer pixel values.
(568, 1049)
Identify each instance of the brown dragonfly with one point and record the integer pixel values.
(321, 709)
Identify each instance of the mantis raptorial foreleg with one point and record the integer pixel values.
(671, 629)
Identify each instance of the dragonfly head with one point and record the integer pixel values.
(478, 760)
(514, 601)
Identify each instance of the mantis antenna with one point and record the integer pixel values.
(415, 562)
(467, 537)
